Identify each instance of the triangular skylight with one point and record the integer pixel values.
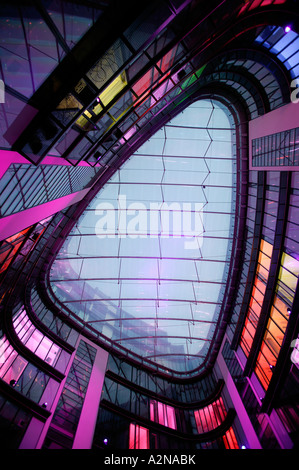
(147, 263)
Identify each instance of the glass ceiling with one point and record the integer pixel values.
(285, 45)
(146, 264)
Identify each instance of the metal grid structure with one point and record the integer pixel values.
(154, 283)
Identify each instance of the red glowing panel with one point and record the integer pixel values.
(15, 242)
(255, 4)
(167, 61)
(162, 414)
(248, 333)
(209, 417)
(152, 76)
(230, 440)
(146, 81)
(200, 421)
(219, 410)
(244, 7)
(9, 252)
(246, 341)
(138, 437)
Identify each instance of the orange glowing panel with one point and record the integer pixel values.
(257, 296)
(250, 325)
(259, 289)
(263, 371)
(265, 259)
(247, 338)
(266, 248)
(276, 331)
(282, 307)
(272, 341)
(266, 358)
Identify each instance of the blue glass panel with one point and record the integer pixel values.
(284, 45)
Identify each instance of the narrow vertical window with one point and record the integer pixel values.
(138, 437)
(230, 440)
(211, 416)
(162, 414)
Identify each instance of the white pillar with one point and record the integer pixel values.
(251, 438)
(87, 421)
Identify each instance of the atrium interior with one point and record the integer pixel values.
(149, 212)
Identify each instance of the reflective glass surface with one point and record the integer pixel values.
(146, 264)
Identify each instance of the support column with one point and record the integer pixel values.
(249, 432)
(9, 157)
(87, 422)
(14, 223)
(37, 430)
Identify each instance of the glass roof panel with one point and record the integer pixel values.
(283, 44)
(146, 264)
